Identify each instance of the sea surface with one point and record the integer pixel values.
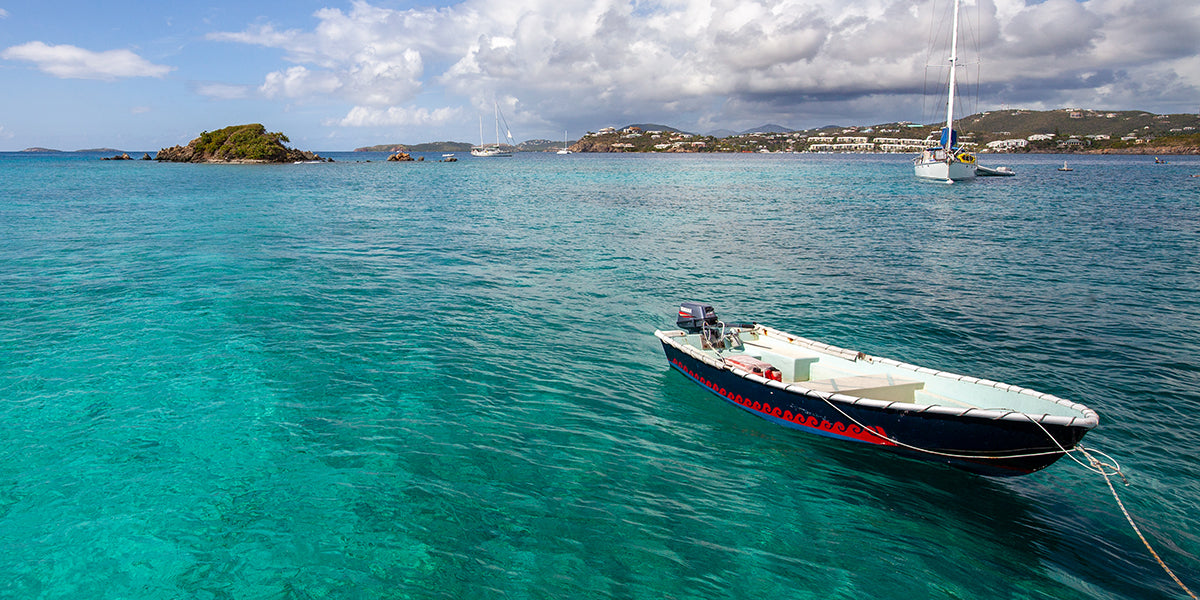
(440, 380)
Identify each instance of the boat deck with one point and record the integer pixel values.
(829, 369)
(821, 373)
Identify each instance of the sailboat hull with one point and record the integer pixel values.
(942, 170)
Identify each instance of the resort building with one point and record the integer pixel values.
(1007, 145)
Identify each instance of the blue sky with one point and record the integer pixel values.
(337, 75)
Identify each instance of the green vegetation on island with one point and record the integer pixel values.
(237, 143)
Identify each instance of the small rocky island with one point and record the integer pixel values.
(237, 144)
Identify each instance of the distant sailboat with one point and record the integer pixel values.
(1064, 167)
(565, 149)
(947, 162)
(492, 150)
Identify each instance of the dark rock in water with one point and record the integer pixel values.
(122, 156)
(146, 156)
(400, 157)
(237, 144)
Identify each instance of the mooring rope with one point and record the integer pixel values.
(1093, 464)
(1103, 469)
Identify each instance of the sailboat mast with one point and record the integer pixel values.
(953, 73)
(480, 131)
(497, 106)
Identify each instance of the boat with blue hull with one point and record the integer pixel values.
(976, 424)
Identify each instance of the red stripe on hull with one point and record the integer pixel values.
(873, 435)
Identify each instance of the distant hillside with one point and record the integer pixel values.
(541, 145)
(656, 127)
(441, 147)
(1062, 130)
(1078, 122)
(426, 147)
(40, 150)
(383, 148)
(1079, 130)
(768, 128)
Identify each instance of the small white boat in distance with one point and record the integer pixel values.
(982, 171)
(1065, 167)
(489, 152)
(565, 149)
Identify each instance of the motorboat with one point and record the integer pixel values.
(982, 171)
(972, 423)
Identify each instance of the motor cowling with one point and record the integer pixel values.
(694, 316)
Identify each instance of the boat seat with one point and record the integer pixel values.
(793, 363)
(876, 387)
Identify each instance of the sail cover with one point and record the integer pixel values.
(949, 138)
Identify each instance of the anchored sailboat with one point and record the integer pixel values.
(493, 150)
(948, 162)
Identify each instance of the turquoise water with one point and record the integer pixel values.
(423, 380)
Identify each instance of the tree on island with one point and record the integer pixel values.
(237, 143)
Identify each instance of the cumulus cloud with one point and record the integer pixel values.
(299, 82)
(71, 62)
(366, 116)
(717, 59)
(369, 56)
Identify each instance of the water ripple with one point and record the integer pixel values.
(438, 380)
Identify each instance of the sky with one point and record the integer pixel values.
(139, 75)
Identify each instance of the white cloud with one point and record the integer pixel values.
(370, 56)
(299, 82)
(71, 62)
(365, 116)
(708, 58)
(224, 91)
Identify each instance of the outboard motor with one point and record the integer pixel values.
(694, 316)
(697, 317)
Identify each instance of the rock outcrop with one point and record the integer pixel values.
(400, 157)
(236, 144)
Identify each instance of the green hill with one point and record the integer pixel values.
(1078, 122)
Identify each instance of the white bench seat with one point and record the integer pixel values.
(875, 386)
(793, 363)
